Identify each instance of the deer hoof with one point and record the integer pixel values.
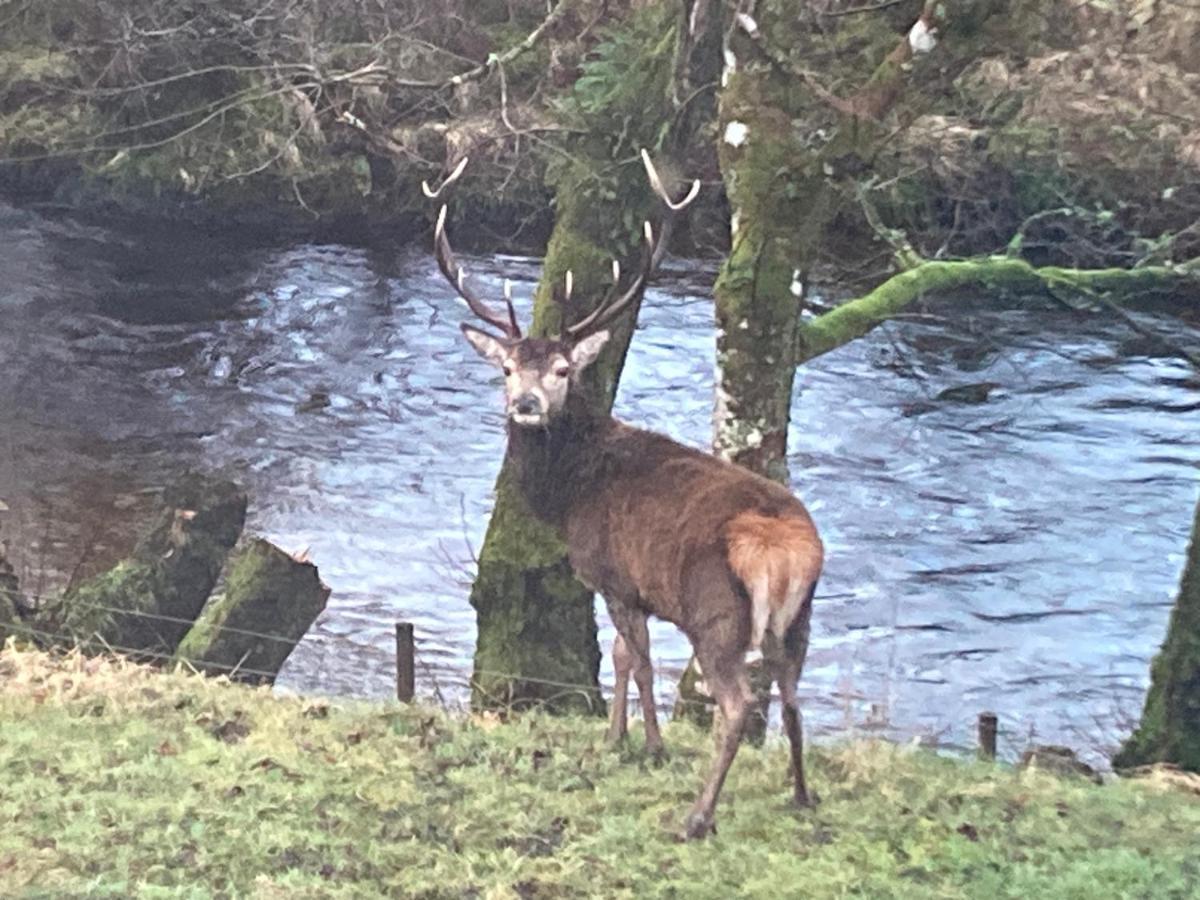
(699, 826)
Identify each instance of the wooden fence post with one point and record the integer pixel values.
(987, 735)
(406, 676)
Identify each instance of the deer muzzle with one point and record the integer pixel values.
(528, 409)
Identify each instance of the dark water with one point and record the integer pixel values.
(1018, 554)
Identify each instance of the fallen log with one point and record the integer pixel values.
(269, 602)
(147, 602)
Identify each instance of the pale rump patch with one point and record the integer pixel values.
(778, 560)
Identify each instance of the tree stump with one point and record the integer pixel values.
(270, 601)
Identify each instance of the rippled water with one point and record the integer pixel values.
(1013, 547)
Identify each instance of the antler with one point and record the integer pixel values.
(458, 277)
(450, 179)
(616, 302)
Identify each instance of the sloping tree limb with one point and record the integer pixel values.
(857, 317)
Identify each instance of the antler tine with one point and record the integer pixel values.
(450, 179)
(613, 305)
(512, 312)
(456, 276)
(657, 185)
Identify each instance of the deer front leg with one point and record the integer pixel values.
(631, 653)
(618, 724)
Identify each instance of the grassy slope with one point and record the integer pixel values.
(116, 781)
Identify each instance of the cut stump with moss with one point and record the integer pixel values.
(147, 602)
(270, 601)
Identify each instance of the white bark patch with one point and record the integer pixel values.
(730, 69)
(721, 418)
(748, 24)
(797, 286)
(734, 221)
(736, 133)
(921, 37)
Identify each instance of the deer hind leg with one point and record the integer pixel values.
(633, 642)
(788, 667)
(725, 672)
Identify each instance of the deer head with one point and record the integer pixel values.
(539, 372)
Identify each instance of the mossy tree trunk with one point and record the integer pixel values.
(537, 641)
(784, 184)
(8, 599)
(1170, 727)
(537, 638)
(791, 153)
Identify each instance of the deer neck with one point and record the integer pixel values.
(554, 465)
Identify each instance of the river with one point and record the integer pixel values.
(1013, 544)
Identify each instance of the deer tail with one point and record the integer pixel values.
(778, 559)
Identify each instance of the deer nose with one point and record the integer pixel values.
(528, 405)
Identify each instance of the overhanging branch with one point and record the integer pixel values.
(857, 317)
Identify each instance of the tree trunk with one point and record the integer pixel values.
(537, 629)
(1170, 727)
(757, 314)
(8, 599)
(537, 641)
(270, 601)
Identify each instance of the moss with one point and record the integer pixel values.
(1170, 727)
(115, 609)
(755, 309)
(32, 63)
(1001, 275)
(269, 602)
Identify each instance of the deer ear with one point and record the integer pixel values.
(585, 352)
(485, 345)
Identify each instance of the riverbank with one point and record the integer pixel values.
(1052, 121)
(120, 781)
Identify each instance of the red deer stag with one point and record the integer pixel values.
(657, 528)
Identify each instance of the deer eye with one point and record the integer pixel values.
(562, 371)
(508, 369)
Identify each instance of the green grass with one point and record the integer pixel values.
(116, 781)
